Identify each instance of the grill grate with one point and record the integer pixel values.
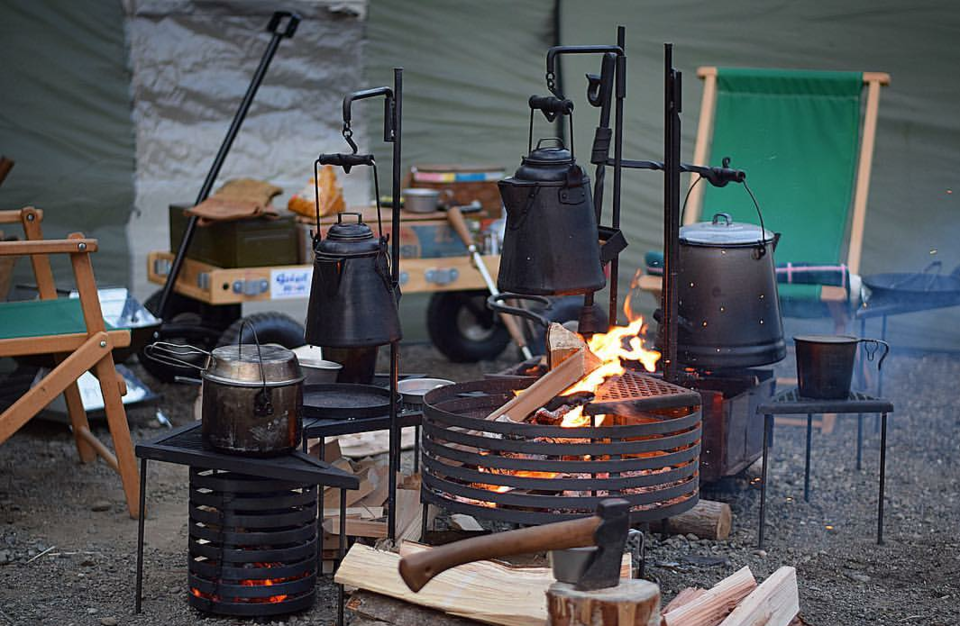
(634, 393)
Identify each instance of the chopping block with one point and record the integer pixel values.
(634, 602)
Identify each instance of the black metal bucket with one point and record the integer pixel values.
(825, 363)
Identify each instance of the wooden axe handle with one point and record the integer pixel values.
(419, 568)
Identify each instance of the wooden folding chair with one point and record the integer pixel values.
(73, 332)
(808, 153)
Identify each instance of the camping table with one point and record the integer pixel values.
(184, 446)
(790, 402)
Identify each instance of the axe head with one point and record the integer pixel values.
(602, 569)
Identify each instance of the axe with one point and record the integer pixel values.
(597, 568)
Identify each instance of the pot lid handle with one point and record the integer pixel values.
(262, 405)
(727, 220)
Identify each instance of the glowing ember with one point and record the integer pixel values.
(249, 582)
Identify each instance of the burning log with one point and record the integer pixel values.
(562, 344)
(541, 392)
(707, 520)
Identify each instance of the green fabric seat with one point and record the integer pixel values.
(797, 136)
(41, 318)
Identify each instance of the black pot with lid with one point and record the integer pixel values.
(352, 299)
(729, 307)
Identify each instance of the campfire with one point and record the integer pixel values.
(593, 426)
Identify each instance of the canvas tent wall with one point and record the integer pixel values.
(914, 213)
(66, 110)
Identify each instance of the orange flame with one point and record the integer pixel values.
(610, 349)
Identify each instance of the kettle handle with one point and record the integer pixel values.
(495, 303)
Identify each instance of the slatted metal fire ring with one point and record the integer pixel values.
(528, 473)
(253, 544)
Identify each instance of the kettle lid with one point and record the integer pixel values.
(724, 231)
(546, 164)
(348, 237)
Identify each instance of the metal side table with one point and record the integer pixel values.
(792, 403)
(184, 446)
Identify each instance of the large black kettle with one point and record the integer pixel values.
(352, 300)
(550, 245)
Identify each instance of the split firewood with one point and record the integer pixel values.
(359, 512)
(774, 603)
(459, 521)
(634, 602)
(366, 605)
(355, 527)
(545, 388)
(707, 520)
(368, 482)
(474, 591)
(715, 603)
(686, 595)
(563, 343)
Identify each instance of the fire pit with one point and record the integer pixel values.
(637, 438)
(253, 544)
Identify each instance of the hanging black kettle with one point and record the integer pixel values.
(550, 244)
(352, 300)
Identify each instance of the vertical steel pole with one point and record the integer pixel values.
(621, 80)
(671, 214)
(394, 455)
(142, 514)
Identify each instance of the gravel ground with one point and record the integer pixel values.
(49, 501)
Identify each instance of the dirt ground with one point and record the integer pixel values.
(49, 502)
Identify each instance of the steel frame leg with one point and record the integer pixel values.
(767, 434)
(883, 476)
(341, 552)
(140, 519)
(859, 440)
(806, 460)
(416, 449)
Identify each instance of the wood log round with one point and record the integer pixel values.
(631, 603)
(707, 520)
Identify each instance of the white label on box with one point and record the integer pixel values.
(290, 283)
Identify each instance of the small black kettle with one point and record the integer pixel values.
(550, 245)
(352, 299)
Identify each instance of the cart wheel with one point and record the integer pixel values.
(271, 327)
(191, 322)
(566, 311)
(463, 328)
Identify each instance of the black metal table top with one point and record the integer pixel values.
(880, 307)
(791, 402)
(184, 446)
(328, 427)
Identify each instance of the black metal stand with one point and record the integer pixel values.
(184, 446)
(791, 403)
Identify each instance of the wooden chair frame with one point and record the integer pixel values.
(835, 297)
(74, 354)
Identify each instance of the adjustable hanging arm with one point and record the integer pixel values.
(389, 114)
(716, 176)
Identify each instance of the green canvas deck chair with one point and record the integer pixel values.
(805, 140)
(71, 331)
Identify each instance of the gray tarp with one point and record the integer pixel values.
(65, 120)
(193, 61)
(470, 56)
(469, 68)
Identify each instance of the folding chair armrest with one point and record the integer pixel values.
(48, 246)
(20, 216)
